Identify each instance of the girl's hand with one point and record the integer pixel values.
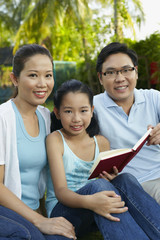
(154, 135)
(109, 176)
(106, 202)
(56, 226)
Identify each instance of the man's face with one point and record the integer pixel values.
(119, 85)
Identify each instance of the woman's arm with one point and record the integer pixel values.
(47, 226)
(103, 203)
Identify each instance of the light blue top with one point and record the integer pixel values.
(76, 170)
(124, 131)
(32, 158)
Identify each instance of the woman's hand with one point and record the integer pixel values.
(56, 226)
(105, 203)
(109, 176)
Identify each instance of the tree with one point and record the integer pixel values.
(148, 51)
(125, 14)
(70, 29)
(65, 27)
(12, 13)
(49, 18)
(43, 20)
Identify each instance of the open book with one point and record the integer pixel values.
(118, 157)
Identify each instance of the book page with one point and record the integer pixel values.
(108, 154)
(142, 139)
(117, 157)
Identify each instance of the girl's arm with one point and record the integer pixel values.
(47, 226)
(102, 203)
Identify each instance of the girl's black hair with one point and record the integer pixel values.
(73, 86)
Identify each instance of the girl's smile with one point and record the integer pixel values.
(75, 112)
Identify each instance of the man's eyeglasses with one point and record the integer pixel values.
(112, 74)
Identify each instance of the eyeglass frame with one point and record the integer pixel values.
(117, 71)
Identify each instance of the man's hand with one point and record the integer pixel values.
(154, 137)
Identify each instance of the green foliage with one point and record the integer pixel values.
(82, 74)
(5, 75)
(53, 20)
(125, 14)
(49, 104)
(72, 30)
(150, 47)
(63, 72)
(148, 51)
(12, 13)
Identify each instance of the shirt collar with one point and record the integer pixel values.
(139, 98)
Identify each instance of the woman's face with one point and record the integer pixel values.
(35, 82)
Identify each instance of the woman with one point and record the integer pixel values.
(24, 126)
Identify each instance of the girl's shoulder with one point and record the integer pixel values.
(54, 141)
(55, 135)
(103, 143)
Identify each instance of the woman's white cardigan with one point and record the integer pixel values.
(8, 148)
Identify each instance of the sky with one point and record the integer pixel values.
(152, 14)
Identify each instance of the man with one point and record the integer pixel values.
(125, 113)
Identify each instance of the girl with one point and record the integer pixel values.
(72, 151)
(23, 129)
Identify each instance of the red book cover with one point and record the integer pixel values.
(118, 157)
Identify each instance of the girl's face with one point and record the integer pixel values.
(75, 113)
(35, 82)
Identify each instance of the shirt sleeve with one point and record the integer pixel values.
(156, 101)
(2, 141)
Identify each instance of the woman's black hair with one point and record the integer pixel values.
(23, 54)
(73, 86)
